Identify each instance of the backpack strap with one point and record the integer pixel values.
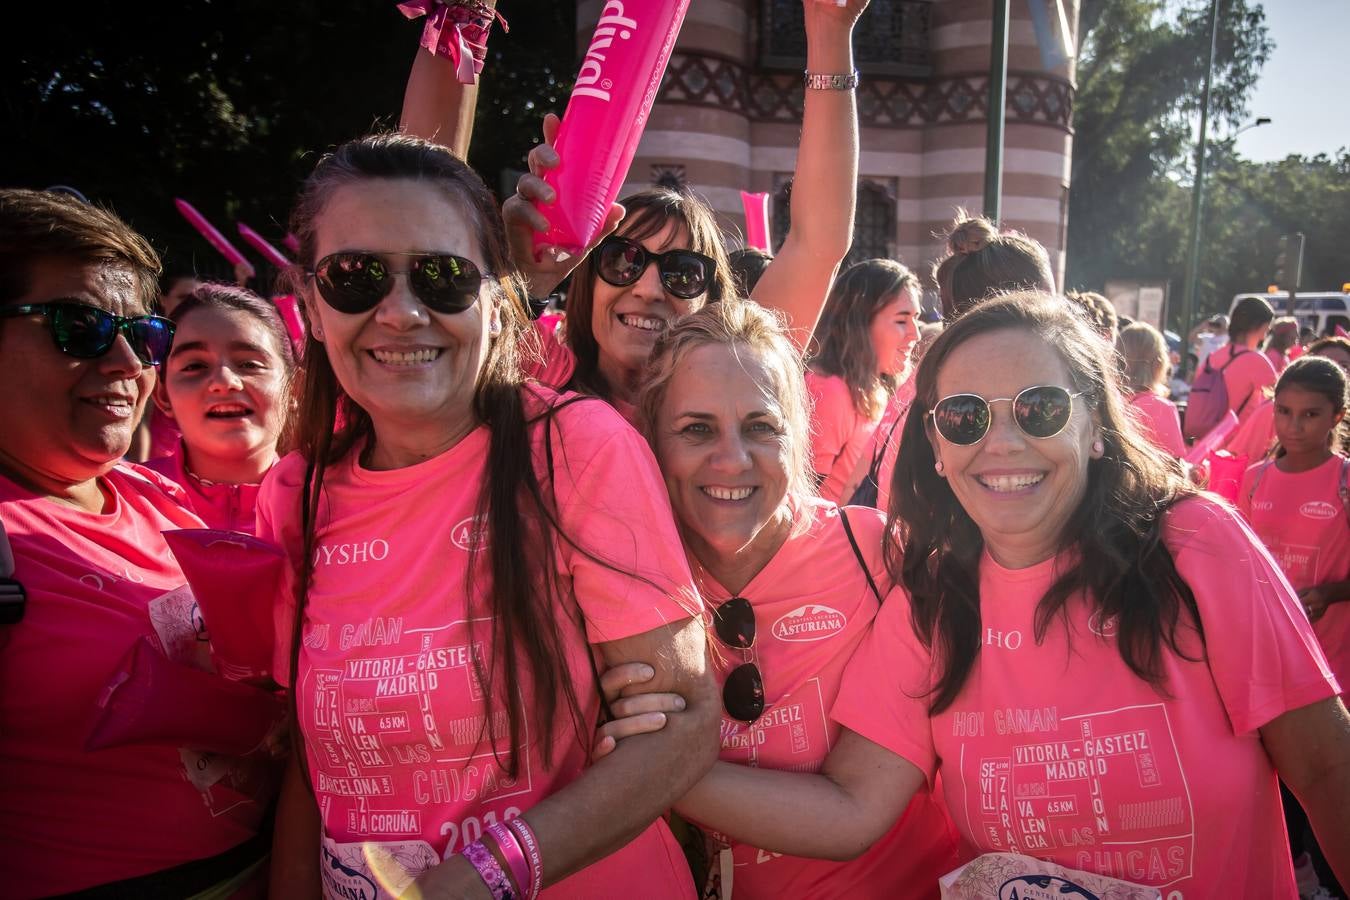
(857, 552)
(1256, 479)
(1343, 488)
(13, 598)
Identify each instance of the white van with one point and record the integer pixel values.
(1321, 311)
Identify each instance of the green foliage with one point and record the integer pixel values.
(229, 105)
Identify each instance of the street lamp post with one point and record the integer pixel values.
(1198, 189)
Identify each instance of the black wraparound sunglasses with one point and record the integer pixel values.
(87, 332)
(743, 691)
(355, 281)
(1040, 412)
(684, 273)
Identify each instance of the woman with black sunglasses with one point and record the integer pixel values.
(1097, 660)
(794, 582)
(667, 259)
(78, 358)
(467, 551)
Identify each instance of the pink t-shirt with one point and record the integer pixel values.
(392, 714)
(1246, 378)
(1158, 420)
(896, 413)
(1302, 521)
(1255, 437)
(1057, 750)
(1279, 361)
(97, 584)
(839, 434)
(227, 507)
(164, 435)
(812, 607)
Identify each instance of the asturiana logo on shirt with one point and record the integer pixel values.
(1042, 887)
(613, 23)
(1318, 509)
(812, 622)
(470, 533)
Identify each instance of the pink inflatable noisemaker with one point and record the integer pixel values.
(606, 116)
(270, 253)
(208, 231)
(756, 220)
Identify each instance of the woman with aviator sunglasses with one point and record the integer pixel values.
(1094, 657)
(78, 357)
(667, 257)
(793, 580)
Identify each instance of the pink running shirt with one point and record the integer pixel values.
(1057, 750)
(812, 608)
(1302, 521)
(393, 718)
(1255, 437)
(839, 434)
(227, 507)
(1158, 421)
(97, 584)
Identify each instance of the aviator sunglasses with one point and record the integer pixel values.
(1040, 412)
(743, 692)
(87, 332)
(684, 273)
(355, 281)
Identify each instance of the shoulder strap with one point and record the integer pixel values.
(857, 552)
(13, 598)
(1256, 480)
(1344, 487)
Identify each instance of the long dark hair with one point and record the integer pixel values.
(647, 213)
(521, 534)
(1119, 560)
(842, 342)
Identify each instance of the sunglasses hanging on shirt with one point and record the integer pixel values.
(743, 691)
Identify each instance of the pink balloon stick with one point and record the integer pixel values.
(208, 231)
(291, 243)
(756, 220)
(270, 253)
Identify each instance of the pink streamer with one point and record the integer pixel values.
(458, 31)
(208, 231)
(270, 253)
(756, 220)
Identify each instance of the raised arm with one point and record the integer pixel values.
(623, 793)
(838, 814)
(438, 106)
(824, 186)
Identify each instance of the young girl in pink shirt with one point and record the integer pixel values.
(226, 386)
(1143, 355)
(468, 552)
(860, 354)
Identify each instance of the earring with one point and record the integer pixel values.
(496, 327)
(939, 468)
(1098, 447)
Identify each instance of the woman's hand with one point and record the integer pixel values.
(639, 714)
(545, 269)
(845, 12)
(1314, 601)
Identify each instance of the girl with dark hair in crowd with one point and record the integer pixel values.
(666, 258)
(226, 386)
(1247, 373)
(1282, 345)
(467, 550)
(1143, 371)
(860, 355)
(1078, 642)
(1298, 503)
(79, 349)
(1336, 349)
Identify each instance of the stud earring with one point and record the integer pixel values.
(1098, 447)
(939, 467)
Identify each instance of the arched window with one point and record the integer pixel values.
(873, 223)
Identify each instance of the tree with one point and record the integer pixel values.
(1140, 72)
(230, 104)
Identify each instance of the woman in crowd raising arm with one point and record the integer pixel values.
(1074, 625)
(461, 548)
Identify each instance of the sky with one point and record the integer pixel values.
(1302, 87)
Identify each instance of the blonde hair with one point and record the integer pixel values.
(738, 325)
(1143, 357)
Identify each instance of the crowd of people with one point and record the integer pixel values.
(734, 577)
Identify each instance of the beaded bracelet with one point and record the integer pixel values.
(522, 830)
(457, 30)
(511, 851)
(488, 869)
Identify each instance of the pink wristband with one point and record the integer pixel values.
(457, 30)
(485, 864)
(522, 830)
(509, 845)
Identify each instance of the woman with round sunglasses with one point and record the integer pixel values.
(94, 579)
(226, 386)
(1094, 657)
(860, 355)
(793, 581)
(468, 550)
(667, 259)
